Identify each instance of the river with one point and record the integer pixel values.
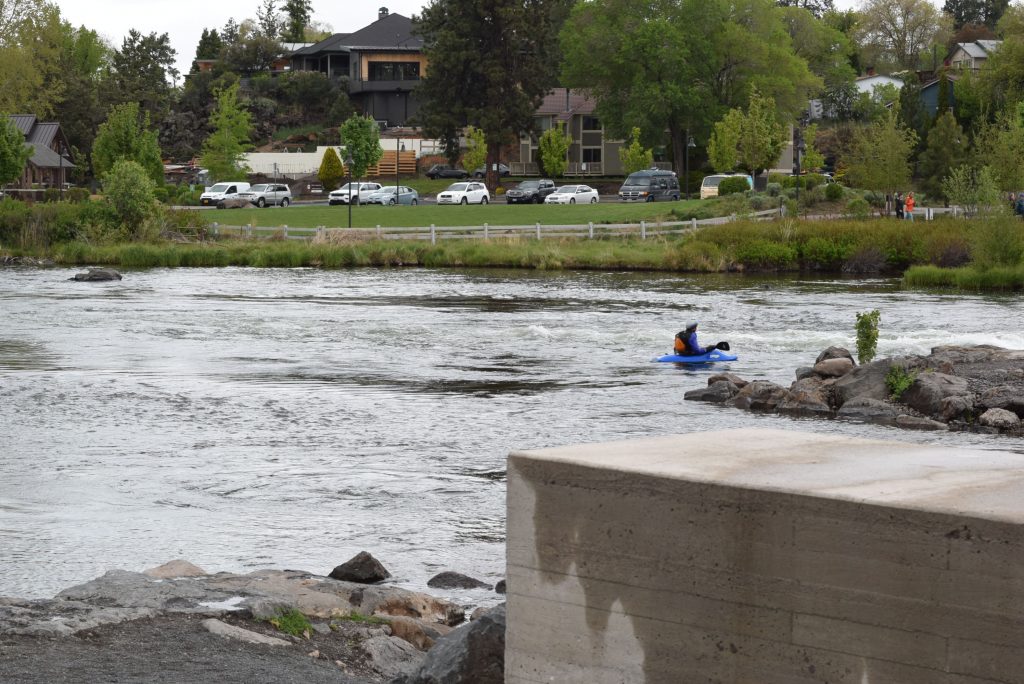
(246, 418)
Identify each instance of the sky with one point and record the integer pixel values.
(184, 20)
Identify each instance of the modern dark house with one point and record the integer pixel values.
(383, 63)
(51, 153)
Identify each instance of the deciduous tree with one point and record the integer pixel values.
(750, 140)
(1000, 146)
(129, 190)
(360, 137)
(947, 149)
(223, 150)
(126, 135)
(880, 156)
(897, 32)
(14, 153)
(634, 156)
(554, 148)
(475, 155)
(983, 12)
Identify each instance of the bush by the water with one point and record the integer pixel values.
(867, 335)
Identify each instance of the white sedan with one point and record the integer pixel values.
(468, 192)
(572, 194)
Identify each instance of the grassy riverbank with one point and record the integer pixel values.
(846, 246)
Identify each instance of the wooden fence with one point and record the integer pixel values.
(642, 230)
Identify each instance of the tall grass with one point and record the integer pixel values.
(966, 278)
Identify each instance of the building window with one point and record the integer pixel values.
(591, 155)
(591, 123)
(394, 71)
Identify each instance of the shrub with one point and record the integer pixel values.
(833, 192)
(858, 208)
(129, 191)
(78, 194)
(875, 199)
(766, 255)
(773, 189)
(811, 196)
(823, 253)
(866, 259)
(161, 194)
(292, 622)
(760, 202)
(731, 185)
(898, 380)
(867, 335)
(997, 242)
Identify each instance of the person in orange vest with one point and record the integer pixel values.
(908, 209)
(685, 342)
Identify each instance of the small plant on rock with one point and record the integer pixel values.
(292, 622)
(899, 380)
(867, 335)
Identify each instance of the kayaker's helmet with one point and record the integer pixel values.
(691, 326)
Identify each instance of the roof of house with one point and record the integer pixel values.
(564, 103)
(950, 76)
(979, 49)
(393, 32)
(24, 122)
(45, 158)
(39, 133)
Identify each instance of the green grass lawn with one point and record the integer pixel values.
(369, 216)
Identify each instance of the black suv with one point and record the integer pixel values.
(530, 191)
(444, 171)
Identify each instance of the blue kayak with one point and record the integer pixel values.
(710, 357)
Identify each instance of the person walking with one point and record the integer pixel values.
(908, 209)
(898, 199)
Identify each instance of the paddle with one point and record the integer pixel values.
(724, 346)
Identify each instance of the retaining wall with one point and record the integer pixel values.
(765, 556)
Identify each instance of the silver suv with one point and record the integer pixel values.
(267, 193)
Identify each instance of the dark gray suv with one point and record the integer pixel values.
(531, 191)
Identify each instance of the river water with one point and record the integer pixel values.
(246, 418)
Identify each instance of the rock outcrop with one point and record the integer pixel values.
(362, 568)
(976, 388)
(97, 275)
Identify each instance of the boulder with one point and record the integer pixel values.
(97, 275)
(175, 568)
(917, 423)
(833, 368)
(1000, 419)
(720, 391)
(418, 633)
(928, 390)
(760, 395)
(1004, 397)
(472, 654)
(955, 408)
(214, 626)
(391, 656)
(455, 580)
(869, 410)
(806, 398)
(834, 353)
(804, 372)
(868, 380)
(500, 587)
(362, 568)
(727, 377)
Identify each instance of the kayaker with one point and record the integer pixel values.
(685, 343)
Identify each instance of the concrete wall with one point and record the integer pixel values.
(767, 557)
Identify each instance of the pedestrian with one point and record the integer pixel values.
(898, 199)
(1018, 207)
(908, 209)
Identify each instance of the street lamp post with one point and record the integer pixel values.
(686, 162)
(398, 142)
(348, 171)
(60, 154)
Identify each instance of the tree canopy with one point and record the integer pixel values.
(361, 139)
(14, 153)
(223, 150)
(126, 135)
(880, 158)
(751, 140)
(298, 15)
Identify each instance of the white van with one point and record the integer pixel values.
(220, 192)
(709, 186)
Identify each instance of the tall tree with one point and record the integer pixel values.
(223, 150)
(141, 71)
(750, 140)
(554, 147)
(209, 47)
(269, 19)
(947, 149)
(897, 32)
(30, 43)
(298, 14)
(84, 61)
(231, 31)
(14, 153)
(126, 134)
(880, 156)
(816, 7)
(491, 64)
(679, 65)
(360, 137)
(1001, 82)
(13, 14)
(251, 54)
(1000, 146)
(982, 12)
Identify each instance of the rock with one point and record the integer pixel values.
(265, 608)
(1004, 397)
(175, 568)
(869, 410)
(722, 390)
(760, 395)
(418, 633)
(834, 353)
(728, 377)
(97, 275)
(223, 629)
(391, 656)
(928, 390)
(478, 613)
(472, 654)
(804, 372)
(455, 580)
(500, 587)
(806, 398)
(362, 568)
(917, 423)
(955, 408)
(1000, 418)
(833, 368)
(868, 380)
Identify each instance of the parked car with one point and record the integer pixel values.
(359, 193)
(444, 171)
(386, 195)
(267, 193)
(650, 185)
(530, 191)
(572, 194)
(482, 171)
(470, 192)
(216, 194)
(709, 186)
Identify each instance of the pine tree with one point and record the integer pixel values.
(298, 14)
(269, 19)
(947, 149)
(223, 150)
(331, 170)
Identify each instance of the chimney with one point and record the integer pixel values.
(871, 71)
(381, 13)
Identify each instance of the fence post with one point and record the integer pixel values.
(693, 223)
(591, 230)
(485, 231)
(378, 231)
(285, 228)
(248, 231)
(216, 229)
(538, 230)
(433, 235)
(643, 229)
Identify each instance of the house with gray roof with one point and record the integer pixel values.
(383, 63)
(51, 153)
(972, 55)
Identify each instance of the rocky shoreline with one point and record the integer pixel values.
(964, 388)
(349, 631)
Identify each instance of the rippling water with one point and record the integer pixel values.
(246, 418)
